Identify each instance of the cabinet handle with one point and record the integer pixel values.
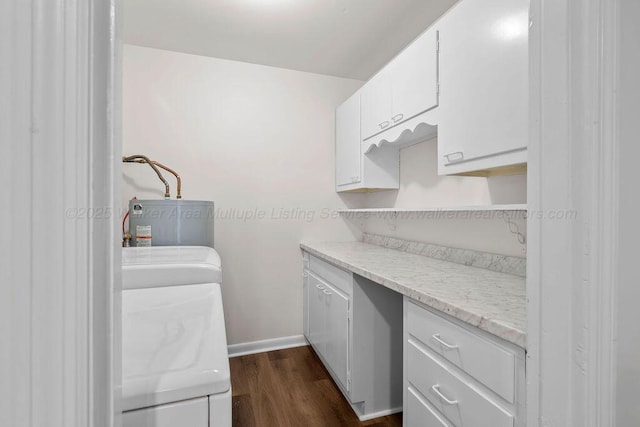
(441, 341)
(319, 286)
(384, 124)
(454, 157)
(397, 118)
(436, 390)
(326, 292)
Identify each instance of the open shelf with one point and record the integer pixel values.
(478, 208)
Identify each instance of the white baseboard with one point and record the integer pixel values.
(253, 347)
(378, 414)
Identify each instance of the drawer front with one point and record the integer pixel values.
(485, 361)
(460, 402)
(419, 413)
(332, 274)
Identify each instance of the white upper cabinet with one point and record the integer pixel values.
(405, 88)
(466, 77)
(348, 155)
(376, 104)
(414, 82)
(356, 171)
(483, 105)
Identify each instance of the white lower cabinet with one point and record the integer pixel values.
(317, 313)
(457, 375)
(389, 353)
(355, 328)
(337, 327)
(305, 302)
(329, 326)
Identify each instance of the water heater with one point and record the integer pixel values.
(171, 222)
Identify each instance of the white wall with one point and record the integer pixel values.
(259, 141)
(421, 186)
(255, 140)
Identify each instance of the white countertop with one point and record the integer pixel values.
(494, 302)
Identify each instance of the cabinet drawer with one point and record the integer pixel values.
(331, 274)
(455, 398)
(419, 412)
(485, 361)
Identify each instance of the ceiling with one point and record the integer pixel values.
(344, 38)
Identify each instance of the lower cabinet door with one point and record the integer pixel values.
(305, 303)
(337, 330)
(317, 330)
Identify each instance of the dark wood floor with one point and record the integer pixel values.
(291, 388)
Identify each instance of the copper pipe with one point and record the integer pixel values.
(171, 171)
(133, 159)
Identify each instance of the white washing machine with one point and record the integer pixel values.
(175, 364)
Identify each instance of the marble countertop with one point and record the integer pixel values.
(492, 301)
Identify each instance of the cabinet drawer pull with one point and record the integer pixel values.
(326, 292)
(436, 390)
(397, 118)
(454, 157)
(444, 343)
(384, 124)
(319, 286)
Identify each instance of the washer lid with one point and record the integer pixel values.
(174, 345)
(169, 265)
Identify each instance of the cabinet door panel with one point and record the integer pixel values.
(414, 78)
(483, 63)
(316, 314)
(337, 324)
(376, 105)
(305, 303)
(348, 155)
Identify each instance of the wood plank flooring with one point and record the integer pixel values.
(291, 388)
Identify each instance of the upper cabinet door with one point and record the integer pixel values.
(376, 104)
(483, 61)
(414, 78)
(348, 153)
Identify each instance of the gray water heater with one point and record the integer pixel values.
(171, 222)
